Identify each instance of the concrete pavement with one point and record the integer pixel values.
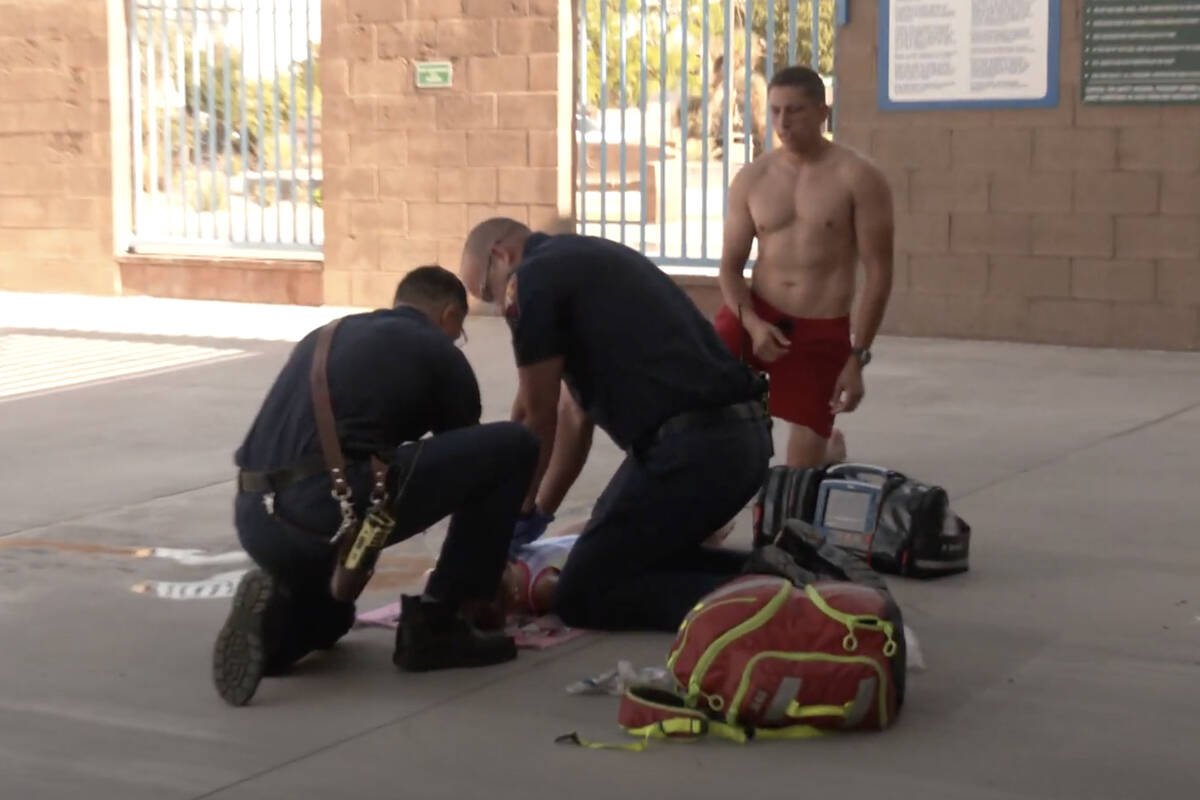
(1064, 665)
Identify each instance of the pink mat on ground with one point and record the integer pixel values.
(530, 633)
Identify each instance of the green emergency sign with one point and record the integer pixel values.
(434, 74)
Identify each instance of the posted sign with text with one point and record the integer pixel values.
(968, 53)
(1145, 52)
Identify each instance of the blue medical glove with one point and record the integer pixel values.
(529, 528)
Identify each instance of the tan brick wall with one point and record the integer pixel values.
(1074, 225)
(55, 148)
(409, 170)
(236, 279)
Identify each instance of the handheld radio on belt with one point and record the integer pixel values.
(357, 542)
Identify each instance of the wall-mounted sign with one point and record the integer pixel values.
(1145, 52)
(957, 54)
(435, 74)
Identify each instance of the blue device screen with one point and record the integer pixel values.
(847, 506)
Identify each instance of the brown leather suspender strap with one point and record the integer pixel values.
(357, 542)
(335, 462)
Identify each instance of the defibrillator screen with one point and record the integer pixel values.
(847, 511)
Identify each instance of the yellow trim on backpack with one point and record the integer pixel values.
(760, 618)
(744, 684)
(790, 732)
(852, 621)
(693, 728)
(685, 628)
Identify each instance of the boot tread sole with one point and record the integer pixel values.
(239, 655)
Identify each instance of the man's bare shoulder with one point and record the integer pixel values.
(859, 170)
(754, 171)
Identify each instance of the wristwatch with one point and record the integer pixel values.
(863, 354)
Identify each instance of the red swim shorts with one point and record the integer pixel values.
(802, 380)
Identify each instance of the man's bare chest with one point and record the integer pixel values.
(808, 205)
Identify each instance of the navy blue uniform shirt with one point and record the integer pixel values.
(636, 349)
(393, 377)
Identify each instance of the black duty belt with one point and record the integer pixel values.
(275, 480)
(749, 410)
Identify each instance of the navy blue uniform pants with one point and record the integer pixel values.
(639, 564)
(477, 475)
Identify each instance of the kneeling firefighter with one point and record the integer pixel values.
(337, 466)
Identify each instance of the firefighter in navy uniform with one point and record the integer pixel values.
(602, 337)
(394, 375)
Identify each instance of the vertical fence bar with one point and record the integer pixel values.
(135, 70)
(244, 133)
(726, 104)
(275, 121)
(662, 128)
(196, 147)
(748, 68)
(816, 35)
(152, 102)
(261, 135)
(184, 140)
(580, 116)
(214, 195)
(684, 115)
(768, 133)
(308, 122)
(624, 101)
(227, 125)
(791, 32)
(164, 46)
(705, 131)
(642, 109)
(292, 109)
(603, 118)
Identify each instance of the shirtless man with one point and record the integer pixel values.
(817, 208)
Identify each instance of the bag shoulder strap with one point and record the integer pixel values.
(651, 713)
(331, 450)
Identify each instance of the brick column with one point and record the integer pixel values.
(407, 170)
(55, 148)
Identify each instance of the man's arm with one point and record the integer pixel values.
(766, 340)
(735, 248)
(537, 407)
(874, 230)
(572, 444)
(459, 403)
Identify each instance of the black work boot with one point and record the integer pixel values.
(434, 635)
(247, 647)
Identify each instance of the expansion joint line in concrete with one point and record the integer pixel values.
(567, 650)
(1141, 426)
(99, 512)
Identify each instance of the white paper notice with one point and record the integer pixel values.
(961, 50)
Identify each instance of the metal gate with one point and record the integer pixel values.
(670, 101)
(225, 112)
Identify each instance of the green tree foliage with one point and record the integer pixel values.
(259, 108)
(663, 33)
(189, 75)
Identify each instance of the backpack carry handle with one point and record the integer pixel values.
(866, 473)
